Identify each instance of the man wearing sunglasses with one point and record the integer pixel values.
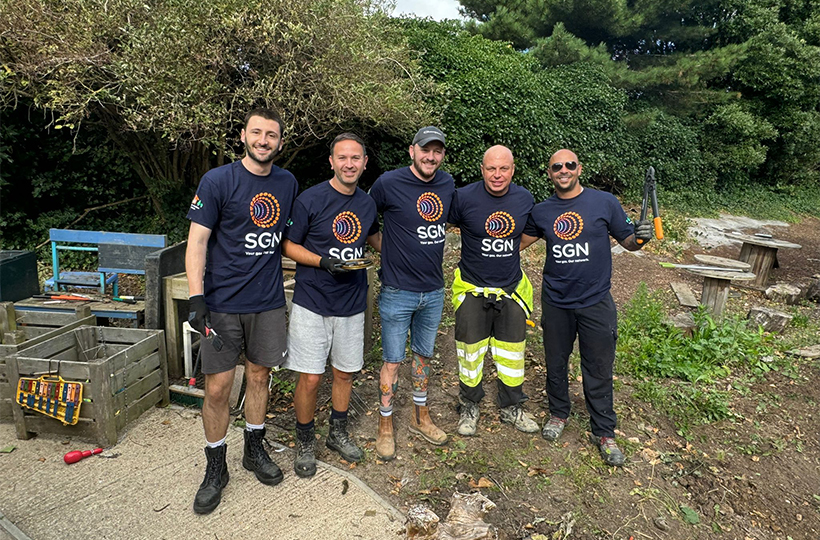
(576, 223)
(491, 294)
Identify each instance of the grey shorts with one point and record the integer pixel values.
(263, 336)
(313, 338)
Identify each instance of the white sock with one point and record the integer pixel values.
(216, 444)
(253, 427)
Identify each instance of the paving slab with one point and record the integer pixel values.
(146, 489)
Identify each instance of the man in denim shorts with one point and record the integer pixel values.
(330, 224)
(415, 202)
(237, 219)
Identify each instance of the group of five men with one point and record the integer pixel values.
(245, 215)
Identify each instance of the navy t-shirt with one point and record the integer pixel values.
(331, 224)
(246, 214)
(415, 216)
(491, 230)
(578, 267)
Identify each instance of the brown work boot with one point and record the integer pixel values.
(385, 443)
(422, 424)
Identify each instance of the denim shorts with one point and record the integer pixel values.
(403, 311)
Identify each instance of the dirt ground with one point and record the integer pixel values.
(753, 478)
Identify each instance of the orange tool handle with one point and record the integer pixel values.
(658, 227)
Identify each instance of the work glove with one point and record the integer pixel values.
(198, 313)
(332, 266)
(643, 230)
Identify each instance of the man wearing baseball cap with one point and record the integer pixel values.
(414, 202)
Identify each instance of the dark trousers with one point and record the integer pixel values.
(597, 330)
(497, 324)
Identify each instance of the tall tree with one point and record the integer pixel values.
(169, 79)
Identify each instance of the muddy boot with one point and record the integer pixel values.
(423, 425)
(216, 478)
(305, 464)
(468, 417)
(339, 440)
(256, 459)
(385, 443)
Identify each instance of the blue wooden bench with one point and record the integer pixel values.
(118, 253)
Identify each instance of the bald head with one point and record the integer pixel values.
(565, 170)
(497, 152)
(498, 168)
(563, 155)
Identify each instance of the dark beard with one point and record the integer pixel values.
(250, 153)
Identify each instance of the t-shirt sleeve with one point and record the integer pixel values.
(454, 215)
(377, 194)
(299, 223)
(205, 206)
(620, 226)
(374, 227)
(531, 228)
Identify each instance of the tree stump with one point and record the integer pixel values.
(770, 319)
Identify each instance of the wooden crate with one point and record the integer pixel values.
(124, 372)
(22, 329)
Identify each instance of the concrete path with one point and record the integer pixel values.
(147, 490)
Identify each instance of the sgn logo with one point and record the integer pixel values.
(569, 226)
(499, 225)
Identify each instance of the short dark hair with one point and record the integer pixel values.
(347, 136)
(267, 114)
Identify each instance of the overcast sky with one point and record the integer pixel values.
(437, 9)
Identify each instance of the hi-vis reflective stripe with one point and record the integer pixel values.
(509, 372)
(506, 353)
(471, 356)
(473, 374)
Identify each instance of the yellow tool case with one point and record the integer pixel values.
(51, 396)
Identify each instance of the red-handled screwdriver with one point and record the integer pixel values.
(76, 455)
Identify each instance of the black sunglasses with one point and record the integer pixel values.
(570, 165)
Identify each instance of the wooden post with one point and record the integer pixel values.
(163, 366)
(106, 427)
(8, 319)
(16, 409)
(761, 259)
(715, 293)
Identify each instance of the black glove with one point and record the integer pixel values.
(643, 230)
(332, 266)
(198, 313)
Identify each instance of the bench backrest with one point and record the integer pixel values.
(102, 237)
(119, 253)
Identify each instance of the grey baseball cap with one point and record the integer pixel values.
(428, 134)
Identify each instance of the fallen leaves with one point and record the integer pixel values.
(482, 483)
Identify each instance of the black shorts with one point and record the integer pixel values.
(263, 336)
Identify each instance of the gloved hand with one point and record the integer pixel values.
(643, 231)
(198, 313)
(332, 266)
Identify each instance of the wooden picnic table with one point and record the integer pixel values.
(716, 287)
(760, 252)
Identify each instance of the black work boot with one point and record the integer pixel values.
(305, 464)
(339, 440)
(256, 459)
(216, 478)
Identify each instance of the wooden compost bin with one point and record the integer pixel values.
(22, 329)
(124, 372)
